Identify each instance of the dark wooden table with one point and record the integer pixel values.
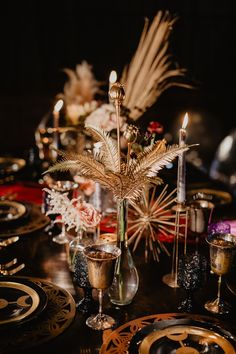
(45, 259)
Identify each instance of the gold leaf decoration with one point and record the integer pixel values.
(109, 150)
(134, 173)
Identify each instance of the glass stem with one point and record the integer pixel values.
(63, 231)
(219, 287)
(100, 296)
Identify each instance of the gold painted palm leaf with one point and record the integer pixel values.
(109, 151)
(134, 174)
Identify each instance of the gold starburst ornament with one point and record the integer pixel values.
(150, 218)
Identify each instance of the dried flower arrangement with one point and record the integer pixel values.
(79, 93)
(151, 70)
(125, 177)
(75, 213)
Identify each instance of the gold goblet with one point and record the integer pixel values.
(222, 249)
(101, 260)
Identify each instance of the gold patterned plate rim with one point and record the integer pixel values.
(11, 164)
(53, 321)
(174, 333)
(217, 197)
(118, 340)
(6, 206)
(20, 309)
(34, 222)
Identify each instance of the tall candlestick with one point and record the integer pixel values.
(112, 80)
(56, 112)
(181, 180)
(56, 115)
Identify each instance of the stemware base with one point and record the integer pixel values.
(170, 280)
(100, 322)
(216, 306)
(87, 304)
(61, 239)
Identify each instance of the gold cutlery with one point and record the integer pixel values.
(12, 271)
(9, 241)
(8, 264)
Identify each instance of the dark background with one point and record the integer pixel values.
(39, 39)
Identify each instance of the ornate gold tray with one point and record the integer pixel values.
(35, 221)
(119, 340)
(11, 210)
(21, 300)
(54, 320)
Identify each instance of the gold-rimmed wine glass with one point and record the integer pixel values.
(222, 250)
(200, 213)
(101, 260)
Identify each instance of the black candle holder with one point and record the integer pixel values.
(192, 270)
(87, 304)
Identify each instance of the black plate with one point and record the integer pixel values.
(21, 300)
(53, 321)
(11, 211)
(175, 336)
(34, 220)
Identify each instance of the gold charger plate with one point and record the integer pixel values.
(10, 165)
(20, 301)
(217, 197)
(11, 210)
(118, 340)
(53, 321)
(34, 222)
(182, 336)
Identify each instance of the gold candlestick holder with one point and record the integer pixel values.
(181, 211)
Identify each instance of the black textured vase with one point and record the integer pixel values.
(191, 276)
(87, 304)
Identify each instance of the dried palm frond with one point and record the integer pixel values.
(133, 175)
(108, 148)
(150, 217)
(151, 70)
(81, 86)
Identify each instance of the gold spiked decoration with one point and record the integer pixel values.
(150, 218)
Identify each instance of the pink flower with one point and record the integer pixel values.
(89, 216)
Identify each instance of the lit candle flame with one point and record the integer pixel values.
(185, 121)
(112, 77)
(58, 106)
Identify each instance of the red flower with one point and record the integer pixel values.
(155, 127)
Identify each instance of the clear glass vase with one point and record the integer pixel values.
(126, 279)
